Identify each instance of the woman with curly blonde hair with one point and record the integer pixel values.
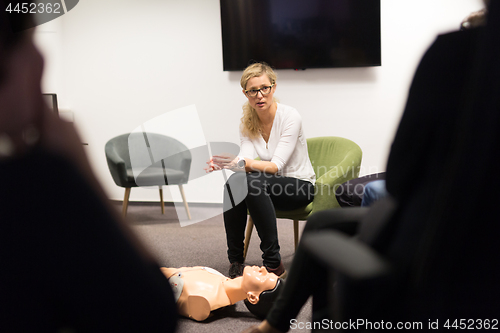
(282, 177)
(250, 122)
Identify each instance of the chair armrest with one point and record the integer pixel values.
(345, 255)
(113, 157)
(326, 185)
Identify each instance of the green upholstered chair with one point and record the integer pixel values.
(131, 152)
(335, 160)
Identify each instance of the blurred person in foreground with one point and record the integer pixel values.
(67, 261)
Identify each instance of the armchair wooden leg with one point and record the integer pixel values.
(296, 233)
(185, 202)
(161, 201)
(125, 201)
(248, 235)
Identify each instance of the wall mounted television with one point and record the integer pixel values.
(300, 34)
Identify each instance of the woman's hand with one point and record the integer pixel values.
(230, 161)
(226, 161)
(211, 166)
(222, 161)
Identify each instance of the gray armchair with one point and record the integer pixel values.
(148, 159)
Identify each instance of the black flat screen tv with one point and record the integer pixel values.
(300, 34)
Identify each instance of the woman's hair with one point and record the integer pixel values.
(250, 124)
(474, 20)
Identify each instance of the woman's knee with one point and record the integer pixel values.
(256, 183)
(235, 189)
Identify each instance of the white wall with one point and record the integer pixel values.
(116, 64)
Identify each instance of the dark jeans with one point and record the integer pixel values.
(259, 194)
(306, 276)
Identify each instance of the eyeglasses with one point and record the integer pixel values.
(255, 92)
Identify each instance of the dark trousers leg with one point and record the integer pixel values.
(306, 277)
(261, 209)
(262, 194)
(235, 215)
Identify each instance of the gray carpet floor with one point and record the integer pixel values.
(204, 244)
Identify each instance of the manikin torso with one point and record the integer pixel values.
(200, 290)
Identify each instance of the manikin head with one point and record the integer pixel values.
(256, 280)
(263, 289)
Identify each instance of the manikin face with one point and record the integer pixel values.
(261, 102)
(256, 280)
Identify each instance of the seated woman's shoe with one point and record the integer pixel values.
(280, 271)
(236, 269)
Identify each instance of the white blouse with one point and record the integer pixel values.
(286, 147)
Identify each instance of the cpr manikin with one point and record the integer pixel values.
(200, 290)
